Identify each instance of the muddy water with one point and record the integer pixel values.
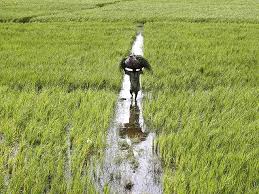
(130, 164)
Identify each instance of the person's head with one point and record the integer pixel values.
(132, 55)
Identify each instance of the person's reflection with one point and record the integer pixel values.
(132, 129)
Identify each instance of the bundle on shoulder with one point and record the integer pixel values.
(134, 63)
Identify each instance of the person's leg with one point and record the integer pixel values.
(131, 93)
(136, 95)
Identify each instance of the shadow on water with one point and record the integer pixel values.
(130, 164)
(132, 129)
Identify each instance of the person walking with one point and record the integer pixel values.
(133, 66)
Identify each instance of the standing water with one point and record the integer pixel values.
(130, 164)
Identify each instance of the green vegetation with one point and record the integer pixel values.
(69, 55)
(34, 143)
(129, 10)
(57, 95)
(59, 82)
(204, 105)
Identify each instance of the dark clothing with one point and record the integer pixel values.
(135, 62)
(133, 66)
(134, 81)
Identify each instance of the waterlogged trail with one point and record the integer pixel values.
(131, 164)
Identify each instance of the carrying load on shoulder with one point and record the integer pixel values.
(133, 66)
(134, 63)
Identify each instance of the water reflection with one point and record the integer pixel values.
(130, 164)
(133, 130)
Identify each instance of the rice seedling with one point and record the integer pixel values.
(55, 80)
(204, 105)
(59, 80)
(33, 152)
(68, 55)
(129, 10)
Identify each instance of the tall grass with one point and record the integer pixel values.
(33, 129)
(59, 80)
(68, 55)
(129, 10)
(204, 105)
(58, 86)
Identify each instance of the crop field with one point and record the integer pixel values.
(129, 10)
(59, 82)
(46, 55)
(35, 130)
(55, 81)
(204, 105)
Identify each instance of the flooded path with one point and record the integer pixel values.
(130, 164)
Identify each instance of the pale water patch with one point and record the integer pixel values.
(130, 164)
(68, 172)
(138, 45)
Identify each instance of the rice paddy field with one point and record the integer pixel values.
(205, 105)
(59, 82)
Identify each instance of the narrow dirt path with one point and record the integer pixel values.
(130, 165)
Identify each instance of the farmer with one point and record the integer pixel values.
(133, 66)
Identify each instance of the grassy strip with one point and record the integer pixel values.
(201, 56)
(68, 55)
(54, 76)
(204, 105)
(25, 11)
(130, 10)
(33, 148)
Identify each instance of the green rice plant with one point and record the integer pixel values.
(24, 11)
(55, 80)
(204, 105)
(59, 81)
(129, 10)
(34, 147)
(68, 55)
